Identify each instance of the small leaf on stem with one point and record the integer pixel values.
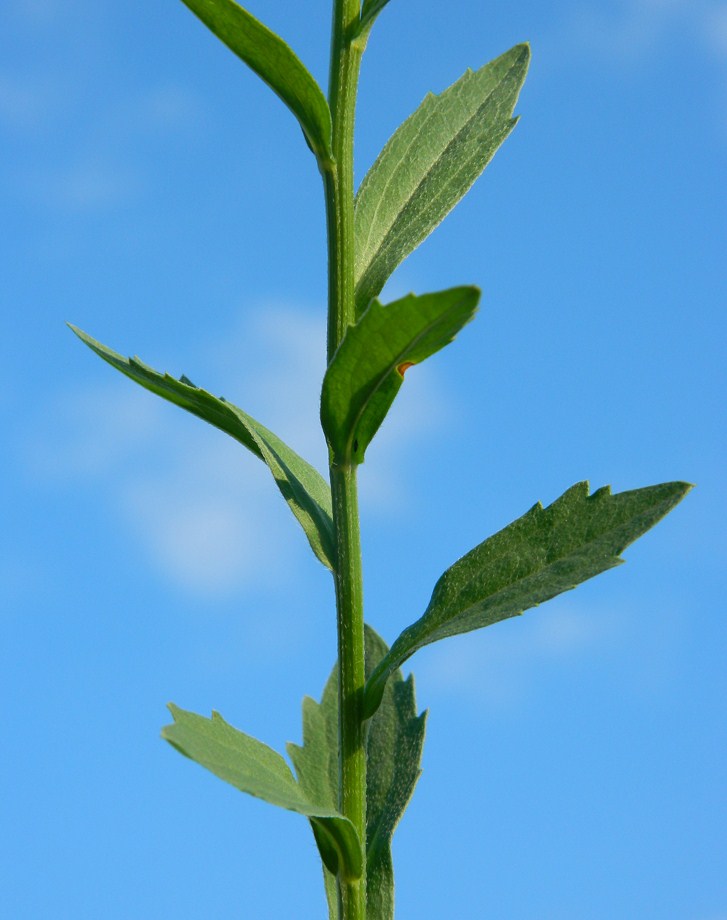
(368, 368)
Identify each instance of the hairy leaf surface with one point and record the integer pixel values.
(368, 368)
(316, 765)
(393, 753)
(545, 552)
(253, 767)
(429, 164)
(274, 62)
(301, 485)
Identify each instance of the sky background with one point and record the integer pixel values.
(156, 194)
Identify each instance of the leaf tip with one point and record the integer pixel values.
(678, 490)
(684, 487)
(166, 732)
(519, 55)
(83, 336)
(174, 710)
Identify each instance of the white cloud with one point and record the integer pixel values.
(167, 107)
(628, 30)
(85, 186)
(205, 509)
(99, 169)
(715, 28)
(499, 667)
(276, 356)
(92, 433)
(207, 526)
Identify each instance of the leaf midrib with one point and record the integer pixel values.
(436, 197)
(392, 173)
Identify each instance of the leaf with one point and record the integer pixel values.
(393, 752)
(316, 765)
(369, 12)
(367, 370)
(304, 489)
(429, 164)
(275, 63)
(253, 767)
(545, 552)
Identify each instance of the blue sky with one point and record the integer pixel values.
(157, 195)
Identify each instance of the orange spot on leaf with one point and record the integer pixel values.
(403, 368)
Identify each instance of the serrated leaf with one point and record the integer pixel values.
(393, 753)
(301, 485)
(316, 766)
(540, 555)
(368, 367)
(275, 63)
(253, 767)
(429, 164)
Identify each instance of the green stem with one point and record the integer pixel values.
(338, 183)
(338, 178)
(349, 602)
